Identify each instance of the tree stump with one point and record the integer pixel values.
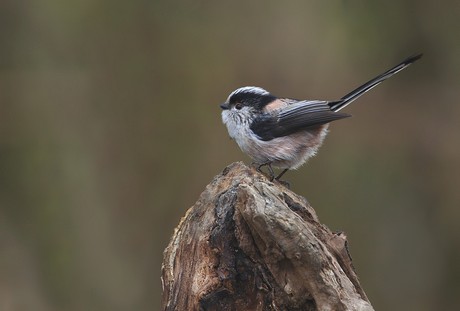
(251, 244)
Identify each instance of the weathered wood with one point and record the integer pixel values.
(250, 244)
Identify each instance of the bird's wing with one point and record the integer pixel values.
(296, 117)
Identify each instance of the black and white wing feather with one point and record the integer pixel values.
(295, 117)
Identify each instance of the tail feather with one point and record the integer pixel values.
(350, 97)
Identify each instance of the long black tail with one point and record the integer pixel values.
(350, 97)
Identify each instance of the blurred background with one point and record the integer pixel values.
(110, 129)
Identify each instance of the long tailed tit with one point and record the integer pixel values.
(284, 132)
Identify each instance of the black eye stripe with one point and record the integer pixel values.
(257, 101)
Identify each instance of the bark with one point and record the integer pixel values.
(250, 244)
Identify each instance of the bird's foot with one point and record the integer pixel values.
(271, 173)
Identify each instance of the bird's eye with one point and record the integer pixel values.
(238, 106)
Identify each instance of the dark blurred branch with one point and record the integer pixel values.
(249, 244)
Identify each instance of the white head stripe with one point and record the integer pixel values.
(249, 89)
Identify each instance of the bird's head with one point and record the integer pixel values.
(250, 98)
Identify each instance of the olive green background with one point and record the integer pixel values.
(110, 129)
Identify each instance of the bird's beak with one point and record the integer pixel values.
(225, 106)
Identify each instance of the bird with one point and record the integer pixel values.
(282, 132)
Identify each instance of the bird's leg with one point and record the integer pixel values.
(270, 169)
(283, 182)
(281, 174)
